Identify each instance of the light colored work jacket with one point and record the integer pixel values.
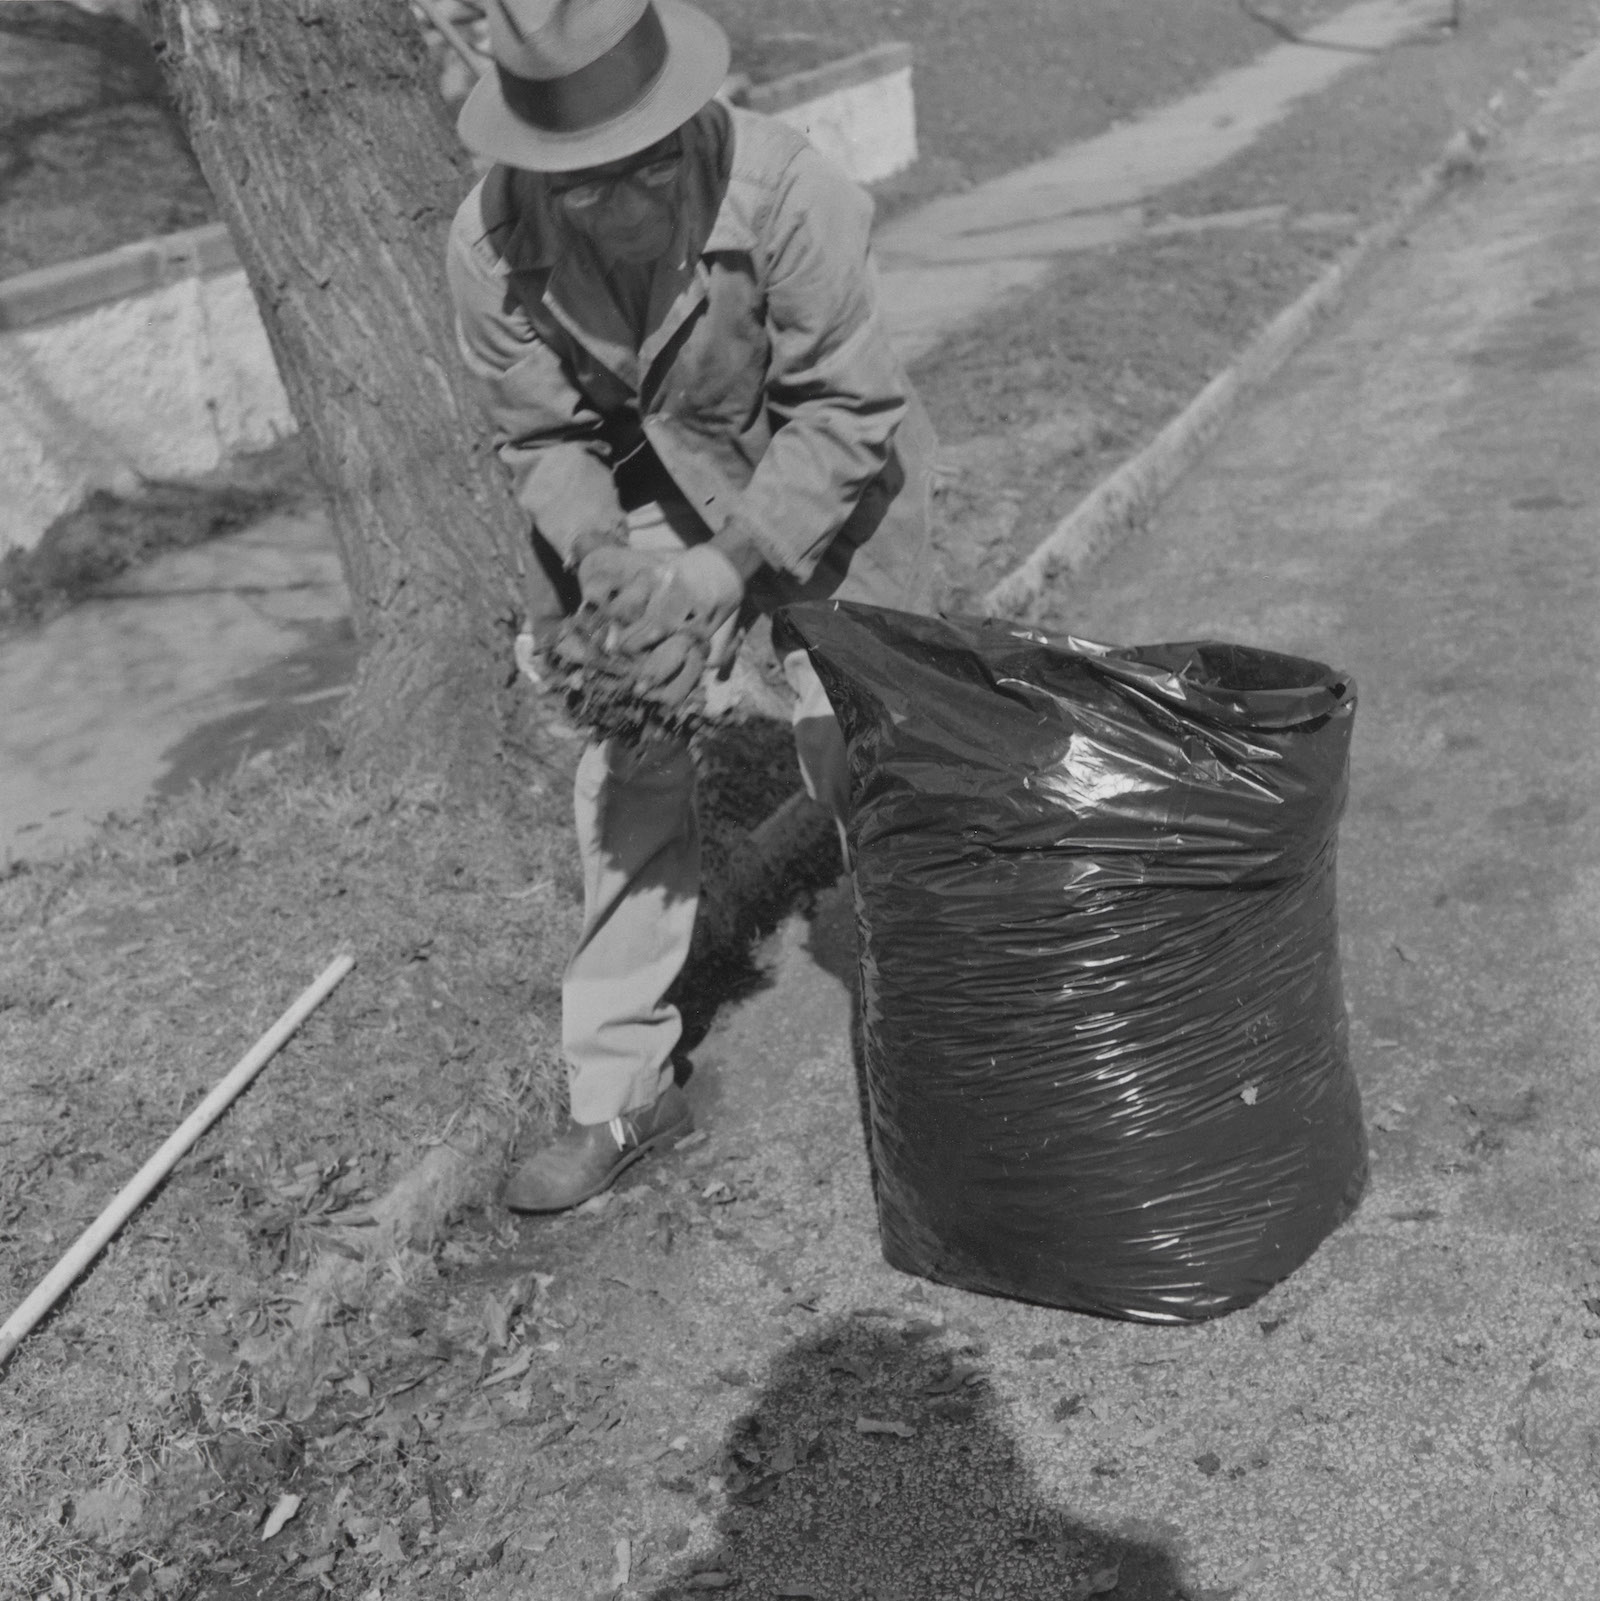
(765, 391)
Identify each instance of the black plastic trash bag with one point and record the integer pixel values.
(1104, 1033)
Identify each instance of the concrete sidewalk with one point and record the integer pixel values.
(1414, 1414)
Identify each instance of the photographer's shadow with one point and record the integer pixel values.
(876, 1465)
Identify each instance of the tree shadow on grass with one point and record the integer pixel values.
(932, 1502)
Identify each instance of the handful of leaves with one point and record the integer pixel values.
(601, 688)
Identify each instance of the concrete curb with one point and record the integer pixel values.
(31, 298)
(783, 94)
(1124, 501)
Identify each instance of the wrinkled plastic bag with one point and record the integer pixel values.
(1103, 1030)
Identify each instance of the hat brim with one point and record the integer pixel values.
(695, 68)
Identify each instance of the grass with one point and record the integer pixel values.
(134, 973)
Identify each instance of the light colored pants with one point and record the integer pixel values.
(639, 844)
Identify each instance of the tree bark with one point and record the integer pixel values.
(329, 152)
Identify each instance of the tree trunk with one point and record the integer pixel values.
(326, 144)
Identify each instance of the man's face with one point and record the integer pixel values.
(628, 208)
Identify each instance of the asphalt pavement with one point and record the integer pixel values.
(1416, 1412)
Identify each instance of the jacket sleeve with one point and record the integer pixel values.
(544, 430)
(835, 386)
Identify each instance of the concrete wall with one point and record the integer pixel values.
(164, 381)
(151, 361)
(859, 111)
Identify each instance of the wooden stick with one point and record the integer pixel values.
(89, 1243)
(454, 37)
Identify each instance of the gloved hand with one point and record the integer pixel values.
(618, 581)
(696, 595)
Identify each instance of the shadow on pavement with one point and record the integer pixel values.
(933, 1501)
(275, 703)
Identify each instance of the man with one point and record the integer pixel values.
(670, 309)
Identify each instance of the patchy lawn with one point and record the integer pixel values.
(132, 975)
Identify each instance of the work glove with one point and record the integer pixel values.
(618, 581)
(593, 539)
(695, 595)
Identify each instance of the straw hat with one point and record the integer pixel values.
(580, 83)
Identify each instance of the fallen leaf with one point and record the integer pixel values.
(1249, 1095)
(952, 1409)
(389, 1550)
(854, 1366)
(735, 1378)
(689, 1141)
(497, 1314)
(108, 1513)
(512, 1368)
(960, 1373)
(713, 1580)
(217, 1352)
(757, 1491)
(718, 1193)
(286, 1508)
(1068, 1406)
(622, 1552)
(317, 1566)
(1101, 1582)
(903, 1431)
(1208, 1463)
(118, 1437)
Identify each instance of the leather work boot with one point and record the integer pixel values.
(589, 1157)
